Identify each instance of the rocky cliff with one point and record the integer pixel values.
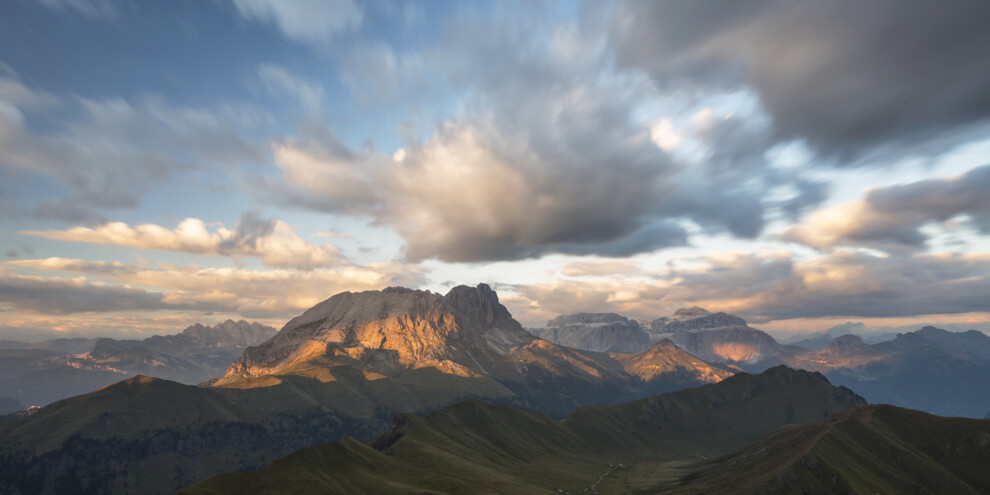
(603, 332)
(693, 319)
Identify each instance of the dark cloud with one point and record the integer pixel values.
(776, 286)
(892, 217)
(848, 77)
(551, 154)
(105, 154)
(250, 229)
(67, 211)
(912, 205)
(66, 296)
(852, 284)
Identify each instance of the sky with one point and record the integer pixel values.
(804, 165)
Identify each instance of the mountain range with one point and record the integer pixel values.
(43, 372)
(541, 414)
(344, 367)
(783, 431)
(933, 370)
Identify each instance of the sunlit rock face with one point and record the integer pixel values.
(693, 319)
(602, 332)
(391, 330)
(717, 337)
(420, 338)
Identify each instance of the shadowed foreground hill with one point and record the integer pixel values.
(474, 447)
(872, 449)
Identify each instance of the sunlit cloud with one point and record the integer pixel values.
(893, 217)
(251, 293)
(273, 241)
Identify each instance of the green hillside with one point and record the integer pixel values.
(474, 447)
(870, 450)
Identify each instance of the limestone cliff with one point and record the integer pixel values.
(603, 332)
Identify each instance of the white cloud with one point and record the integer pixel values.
(280, 82)
(664, 135)
(107, 153)
(894, 218)
(252, 293)
(273, 241)
(312, 21)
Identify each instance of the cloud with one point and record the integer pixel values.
(373, 72)
(273, 241)
(93, 9)
(251, 293)
(106, 153)
(549, 154)
(280, 82)
(61, 296)
(849, 327)
(773, 286)
(848, 78)
(892, 217)
(311, 21)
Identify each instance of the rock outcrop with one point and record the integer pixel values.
(847, 345)
(392, 330)
(693, 319)
(603, 332)
(719, 338)
(229, 333)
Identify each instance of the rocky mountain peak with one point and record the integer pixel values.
(847, 344)
(695, 319)
(229, 333)
(601, 332)
(478, 307)
(392, 329)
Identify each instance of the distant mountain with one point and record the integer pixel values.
(815, 342)
(713, 337)
(933, 370)
(474, 447)
(603, 332)
(694, 319)
(344, 367)
(43, 372)
(721, 338)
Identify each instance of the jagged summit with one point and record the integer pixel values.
(462, 342)
(393, 329)
(695, 319)
(602, 332)
(229, 333)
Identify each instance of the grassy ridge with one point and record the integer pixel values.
(873, 449)
(474, 447)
